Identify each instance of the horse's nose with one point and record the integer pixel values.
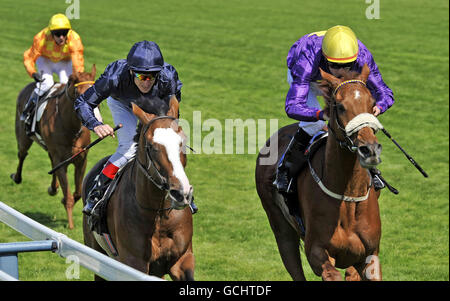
(369, 154)
(176, 195)
(181, 198)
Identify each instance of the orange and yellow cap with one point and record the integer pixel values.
(59, 21)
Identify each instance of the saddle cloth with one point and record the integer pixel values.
(39, 109)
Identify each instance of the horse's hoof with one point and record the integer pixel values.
(13, 177)
(52, 191)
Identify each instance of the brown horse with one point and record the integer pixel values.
(147, 233)
(339, 205)
(62, 134)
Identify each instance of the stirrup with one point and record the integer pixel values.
(279, 183)
(377, 183)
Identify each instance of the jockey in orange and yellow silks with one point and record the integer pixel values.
(56, 49)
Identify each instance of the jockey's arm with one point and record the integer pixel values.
(296, 103)
(31, 55)
(76, 51)
(383, 95)
(85, 103)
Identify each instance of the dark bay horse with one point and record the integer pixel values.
(147, 233)
(62, 134)
(339, 208)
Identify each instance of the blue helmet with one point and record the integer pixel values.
(145, 56)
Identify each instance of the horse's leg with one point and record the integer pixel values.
(183, 269)
(132, 261)
(89, 240)
(67, 200)
(370, 269)
(23, 144)
(80, 168)
(351, 274)
(53, 188)
(322, 264)
(288, 242)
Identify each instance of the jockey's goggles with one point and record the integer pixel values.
(340, 66)
(60, 32)
(145, 76)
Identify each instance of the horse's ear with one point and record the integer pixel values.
(141, 114)
(93, 71)
(71, 80)
(173, 107)
(334, 81)
(364, 73)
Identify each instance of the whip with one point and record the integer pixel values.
(67, 161)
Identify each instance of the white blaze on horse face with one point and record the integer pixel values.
(172, 141)
(357, 94)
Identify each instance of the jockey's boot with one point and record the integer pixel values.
(31, 103)
(377, 182)
(291, 160)
(97, 192)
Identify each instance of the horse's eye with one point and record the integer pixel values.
(340, 108)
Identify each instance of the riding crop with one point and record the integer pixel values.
(407, 156)
(67, 161)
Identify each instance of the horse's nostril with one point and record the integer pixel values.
(364, 151)
(177, 195)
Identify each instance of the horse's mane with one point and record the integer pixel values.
(154, 105)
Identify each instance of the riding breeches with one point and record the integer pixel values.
(310, 127)
(47, 67)
(127, 147)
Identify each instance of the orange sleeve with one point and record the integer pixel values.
(31, 55)
(76, 52)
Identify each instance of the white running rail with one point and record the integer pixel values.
(98, 263)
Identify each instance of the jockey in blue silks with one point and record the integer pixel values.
(144, 74)
(330, 50)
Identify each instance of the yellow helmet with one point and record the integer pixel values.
(59, 21)
(340, 45)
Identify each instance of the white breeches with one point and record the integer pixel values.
(46, 67)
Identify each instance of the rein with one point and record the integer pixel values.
(88, 82)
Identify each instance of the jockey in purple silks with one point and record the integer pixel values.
(144, 74)
(330, 50)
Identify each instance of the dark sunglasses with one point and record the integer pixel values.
(145, 76)
(340, 66)
(58, 33)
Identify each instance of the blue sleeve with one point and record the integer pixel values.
(86, 102)
(172, 82)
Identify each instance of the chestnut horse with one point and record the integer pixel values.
(62, 133)
(147, 233)
(338, 205)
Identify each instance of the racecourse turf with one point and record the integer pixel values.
(231, 58)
